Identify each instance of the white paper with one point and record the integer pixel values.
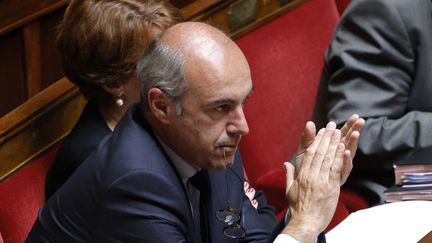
(406, 222)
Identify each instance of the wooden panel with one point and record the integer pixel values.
(199, 6)
(181, 3)
(219, 16)
(17, 13)
(12, 77)
(51, 69)
(37, 124)
(32, 58)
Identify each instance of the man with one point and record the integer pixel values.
(141, 183)
(378, 65)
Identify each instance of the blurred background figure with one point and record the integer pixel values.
(378, 66)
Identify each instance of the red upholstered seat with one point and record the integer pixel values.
(22, 195)
(286, 59)
(341, 5)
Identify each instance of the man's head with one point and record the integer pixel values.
(100, 41)
(195, 81)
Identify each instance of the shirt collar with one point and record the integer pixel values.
(184, 168)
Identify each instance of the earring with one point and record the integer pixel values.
(119, 101)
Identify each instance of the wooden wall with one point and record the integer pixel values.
(29, 61)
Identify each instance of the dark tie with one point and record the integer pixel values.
(201, 181)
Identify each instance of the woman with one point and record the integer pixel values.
(99, 42)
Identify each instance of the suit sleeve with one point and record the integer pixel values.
(370, 67)
(143, 207)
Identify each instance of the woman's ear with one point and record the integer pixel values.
(160, 105)
(114, 89)
(117, 93)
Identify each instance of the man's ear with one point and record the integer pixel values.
(160, 105)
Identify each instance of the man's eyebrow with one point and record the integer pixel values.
(224, 101)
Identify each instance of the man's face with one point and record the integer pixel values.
(209, 131)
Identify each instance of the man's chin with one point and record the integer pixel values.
(222, 164)
(228, 163)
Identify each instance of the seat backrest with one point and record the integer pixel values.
(341, 5)
(286, 58)
(22, 195)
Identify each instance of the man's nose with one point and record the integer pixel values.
(238, 124)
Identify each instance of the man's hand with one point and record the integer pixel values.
(350, 133)
(313, 191)
(323, 163)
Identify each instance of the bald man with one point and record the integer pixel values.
(171, 171)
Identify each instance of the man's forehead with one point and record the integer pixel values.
(222, 93)
(205, 55)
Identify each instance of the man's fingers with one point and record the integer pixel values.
(359, 124)
(337, 167)
(351, 132)
(356, 126)
(322, 148)
(352, 143)
(289, 168)
(349, 123)
(307, 137)
(329, 157)
(346, 167)
(354, 123)
(307, 157)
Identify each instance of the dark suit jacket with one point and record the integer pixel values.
(128, 191)
(379, 65)
(83, 139)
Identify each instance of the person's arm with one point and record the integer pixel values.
(370, 70)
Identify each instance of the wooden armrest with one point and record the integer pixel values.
(38, 124)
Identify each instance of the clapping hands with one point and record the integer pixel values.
(323, 164)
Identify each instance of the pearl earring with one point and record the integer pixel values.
(119, 101)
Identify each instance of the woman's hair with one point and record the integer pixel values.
(100, 41)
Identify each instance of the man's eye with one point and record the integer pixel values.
(222, 108)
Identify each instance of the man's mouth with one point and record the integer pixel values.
(229, 149)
